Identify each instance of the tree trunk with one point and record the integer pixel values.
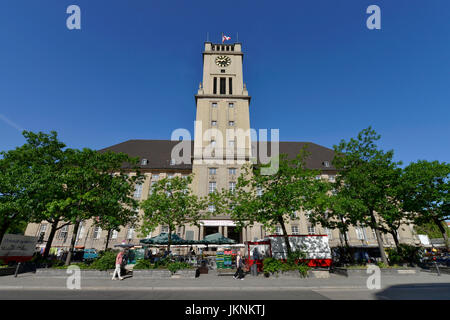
(394, 235)
(443, 231)
(169, 240)
(379, 240)
(72, 242)
(107, 239)
(286, 238)
(3, 230)
(51, 236)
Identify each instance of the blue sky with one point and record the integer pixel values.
(313, 69)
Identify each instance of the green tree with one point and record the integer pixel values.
(426, 193)
(171, 203)
(273, 200)
(117, 206)
(34, 174)
(366, 175)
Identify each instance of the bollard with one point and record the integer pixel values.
(17, 270)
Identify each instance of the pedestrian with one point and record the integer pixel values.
(256, 257)
(239, 265)
(119, 260)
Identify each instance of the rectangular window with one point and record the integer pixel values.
(231, 123)
(155, 176)
(152, 184)
(231, 143)
(232, 186)
(215, 85)
(212, 171)
(294, 230)
(278, 230)
(170, 176)
(222, 85)
(138, 191)
(97, 233)
(231, 105)
(80, 231)
(214, 104)
(211, 208)
(164, 229)
(213, 123)
(232, 171)
(311, 229)
(212, 187)
(130, 233)
(329, 233)
(230, 85)
(63, 233)
(114, 234)
(359, 233)
(189, 235)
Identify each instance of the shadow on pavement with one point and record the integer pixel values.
(423, 291)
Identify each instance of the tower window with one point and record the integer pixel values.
(222, 85)
(230, 85)
(231, 105)
(222, 71)
(214, 105)
(215, 85)
(231, 123)
(213, 123)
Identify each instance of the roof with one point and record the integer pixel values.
(158, 153)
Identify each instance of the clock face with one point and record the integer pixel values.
(223, 61)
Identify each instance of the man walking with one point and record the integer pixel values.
(239, 264)
(119, 260)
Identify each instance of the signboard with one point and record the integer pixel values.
(217, 223)
(15, 247)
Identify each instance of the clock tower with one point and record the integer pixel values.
(222, 142)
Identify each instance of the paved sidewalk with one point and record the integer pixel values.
(213, 282)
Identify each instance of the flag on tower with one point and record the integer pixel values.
(225, 38)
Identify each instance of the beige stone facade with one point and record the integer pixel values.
(222, 111)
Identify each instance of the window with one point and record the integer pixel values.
(326, 164)
(214, 104)
(278, 230)
(211, 208)
(259, 191)
(155, 176)
(212, 171)
(138, 191)
(230, 85)
(329, 233)
(294, 230)
(213, 143)
(212, 187)
(213, 123)
(97, 232)
(164, 229)
(172, 162)
(231, 105)
(232, 186)
(114, 234)
(231, 143)
(232, 171)
(80, 231)
(152, 184)
(144, 162)
(215, 86)
(359, 233)
(331, 178)
(222, 85)
(311, 229)
(63, 233)
(130, 233)
(222, 71)
(170, 176)
(231, 123)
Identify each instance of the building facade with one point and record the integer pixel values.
(221, 146)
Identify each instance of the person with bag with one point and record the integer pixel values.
(239, 265)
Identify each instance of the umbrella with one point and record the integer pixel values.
(163, 238)
(217, 238)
